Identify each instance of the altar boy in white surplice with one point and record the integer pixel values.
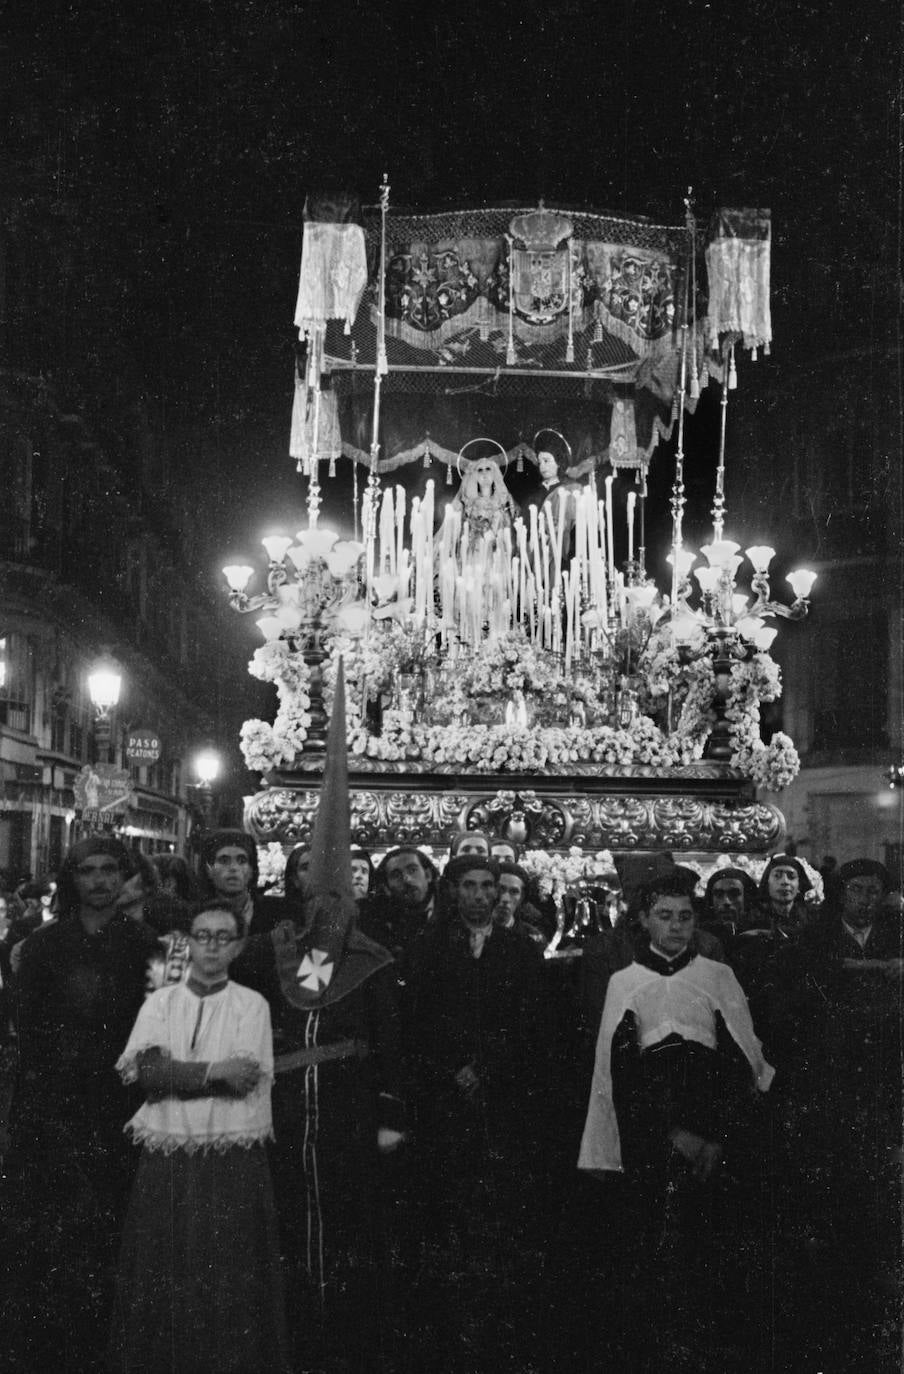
(671, 1024)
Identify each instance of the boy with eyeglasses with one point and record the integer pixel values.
(202, 1053)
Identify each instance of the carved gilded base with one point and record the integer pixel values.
(705, 808)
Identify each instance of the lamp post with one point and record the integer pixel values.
(207, 770)
(104, 684)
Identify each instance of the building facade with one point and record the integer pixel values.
(816, 473)
(93, 558)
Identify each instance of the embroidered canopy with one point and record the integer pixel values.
(533, 317)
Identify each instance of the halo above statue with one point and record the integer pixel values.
(481, 439)
(550, 449)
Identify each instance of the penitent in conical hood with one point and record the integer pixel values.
(331, 903)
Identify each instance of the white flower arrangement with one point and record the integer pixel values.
(514, 664)
(262, 748)
(510, 663)
(555, 873)
(278, 662)
(271, 863)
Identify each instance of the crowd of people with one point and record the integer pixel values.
(367, 1126)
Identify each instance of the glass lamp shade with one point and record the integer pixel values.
(760, 556)
(764, 637)
(344, 557)
(686, 628)
(720, 553)
(801, 582)
(315, 543)
(276, 546)
(387, 584)
(708, 578)
(641, 598)
(104, 685)
(685, 561)
(739, 603)
(269, 627)
(749, 626)
(288, 617)
(238, 575)
(207, 766)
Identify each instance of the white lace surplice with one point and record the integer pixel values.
(234, 1023)
(684, 1003)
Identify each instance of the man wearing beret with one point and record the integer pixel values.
(860, 929)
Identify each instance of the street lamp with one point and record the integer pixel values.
(207, 770)
(104, 684)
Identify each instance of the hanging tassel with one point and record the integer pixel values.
(510, 350)
(519, 466)
(569, 350)
(754, 354)
(732, 371)
(448, 474)
(428, 452)
(299, 466)
(767, 349)
(331, 471)
(597, 324)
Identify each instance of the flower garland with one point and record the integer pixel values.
(518, 749)
(771, 766)
(266, 746)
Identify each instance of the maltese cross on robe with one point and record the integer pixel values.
(315, 970)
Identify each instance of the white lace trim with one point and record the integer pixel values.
(167, 1143)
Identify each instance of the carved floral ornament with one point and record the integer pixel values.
(558, 821)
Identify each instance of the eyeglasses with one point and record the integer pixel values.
(220, 938)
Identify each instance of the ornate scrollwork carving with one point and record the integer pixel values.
(425, 813)
(680, 822)
(755, 827)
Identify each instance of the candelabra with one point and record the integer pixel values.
(725, 624)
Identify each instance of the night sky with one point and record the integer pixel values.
(174, 145)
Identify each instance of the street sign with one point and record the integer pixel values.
(101, 790)
(143, 746)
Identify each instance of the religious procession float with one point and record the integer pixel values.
(495, 383)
